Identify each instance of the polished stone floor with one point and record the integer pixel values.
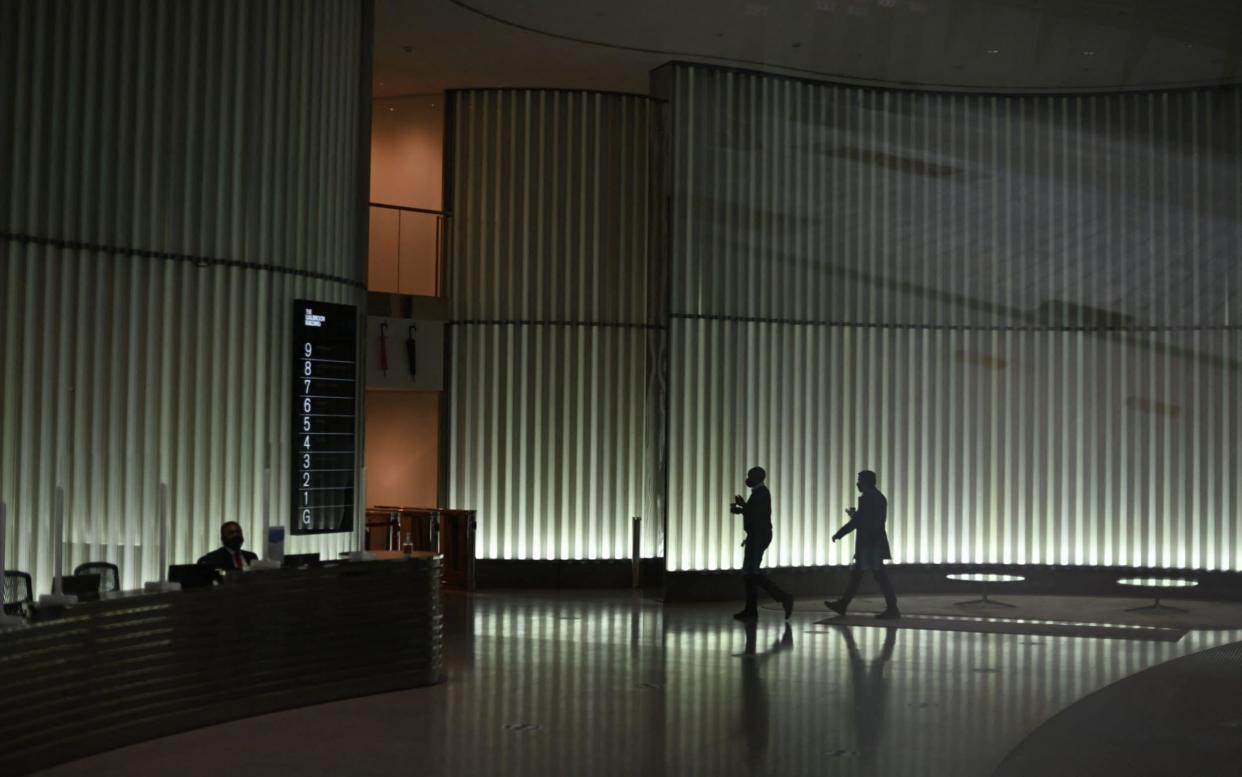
(602, 683)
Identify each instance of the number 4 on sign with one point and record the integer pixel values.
(306, 442)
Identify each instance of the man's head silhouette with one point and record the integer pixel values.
(866, 480)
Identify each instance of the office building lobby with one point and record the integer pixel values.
(466, 387)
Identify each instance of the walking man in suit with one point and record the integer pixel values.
(870, 545)
(230, 555)
(756, 515)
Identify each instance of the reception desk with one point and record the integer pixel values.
(134, 666)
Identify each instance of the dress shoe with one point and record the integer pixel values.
(746, 615)
(838, 607)
(788, 605)
(888, 615)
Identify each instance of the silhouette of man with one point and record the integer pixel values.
(870, 545)
(756, 515)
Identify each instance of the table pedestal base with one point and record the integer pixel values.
(1157, 607)
(984, 601)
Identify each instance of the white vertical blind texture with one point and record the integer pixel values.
(549, 256)
(1021, 312)
(159, 158)
(221, 128)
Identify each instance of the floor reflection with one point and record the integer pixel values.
(657, 685)
(755, 718)
(598, 683)
(869, 690)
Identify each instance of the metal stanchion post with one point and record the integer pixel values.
(636, 556)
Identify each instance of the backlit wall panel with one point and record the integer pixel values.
(1020, 311)
(212, 128)
(549, 435)
(803, 201)
(552, 422)
(175, 175)
(992, 446)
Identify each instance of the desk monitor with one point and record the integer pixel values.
(81, 586)
(192, 575)
(301, 560)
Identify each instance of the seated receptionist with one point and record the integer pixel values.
(231, 555)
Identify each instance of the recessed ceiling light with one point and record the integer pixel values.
(1088, 53)
(993, 51)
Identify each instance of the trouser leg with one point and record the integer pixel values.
(752, 594)
(886, 585)
(852, 588)
(764, 582)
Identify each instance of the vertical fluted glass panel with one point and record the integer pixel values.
(803, 201)
(215, 128)
(1020, 311)
(549, 254)
(175, 175)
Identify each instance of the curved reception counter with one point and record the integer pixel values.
(133, 666)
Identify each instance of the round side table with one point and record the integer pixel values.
(1156, 584)
(985, 578)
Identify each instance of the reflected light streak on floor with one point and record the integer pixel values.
(612, 683)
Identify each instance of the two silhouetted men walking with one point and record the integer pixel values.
(870, 545)
(756, 512)
(871, 549)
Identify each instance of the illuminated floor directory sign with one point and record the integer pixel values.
(325, 410)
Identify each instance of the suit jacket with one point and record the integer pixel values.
(757, 512)
(222, 558)
(869, 522)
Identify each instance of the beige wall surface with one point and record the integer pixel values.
(407, 147)
(403, 430)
